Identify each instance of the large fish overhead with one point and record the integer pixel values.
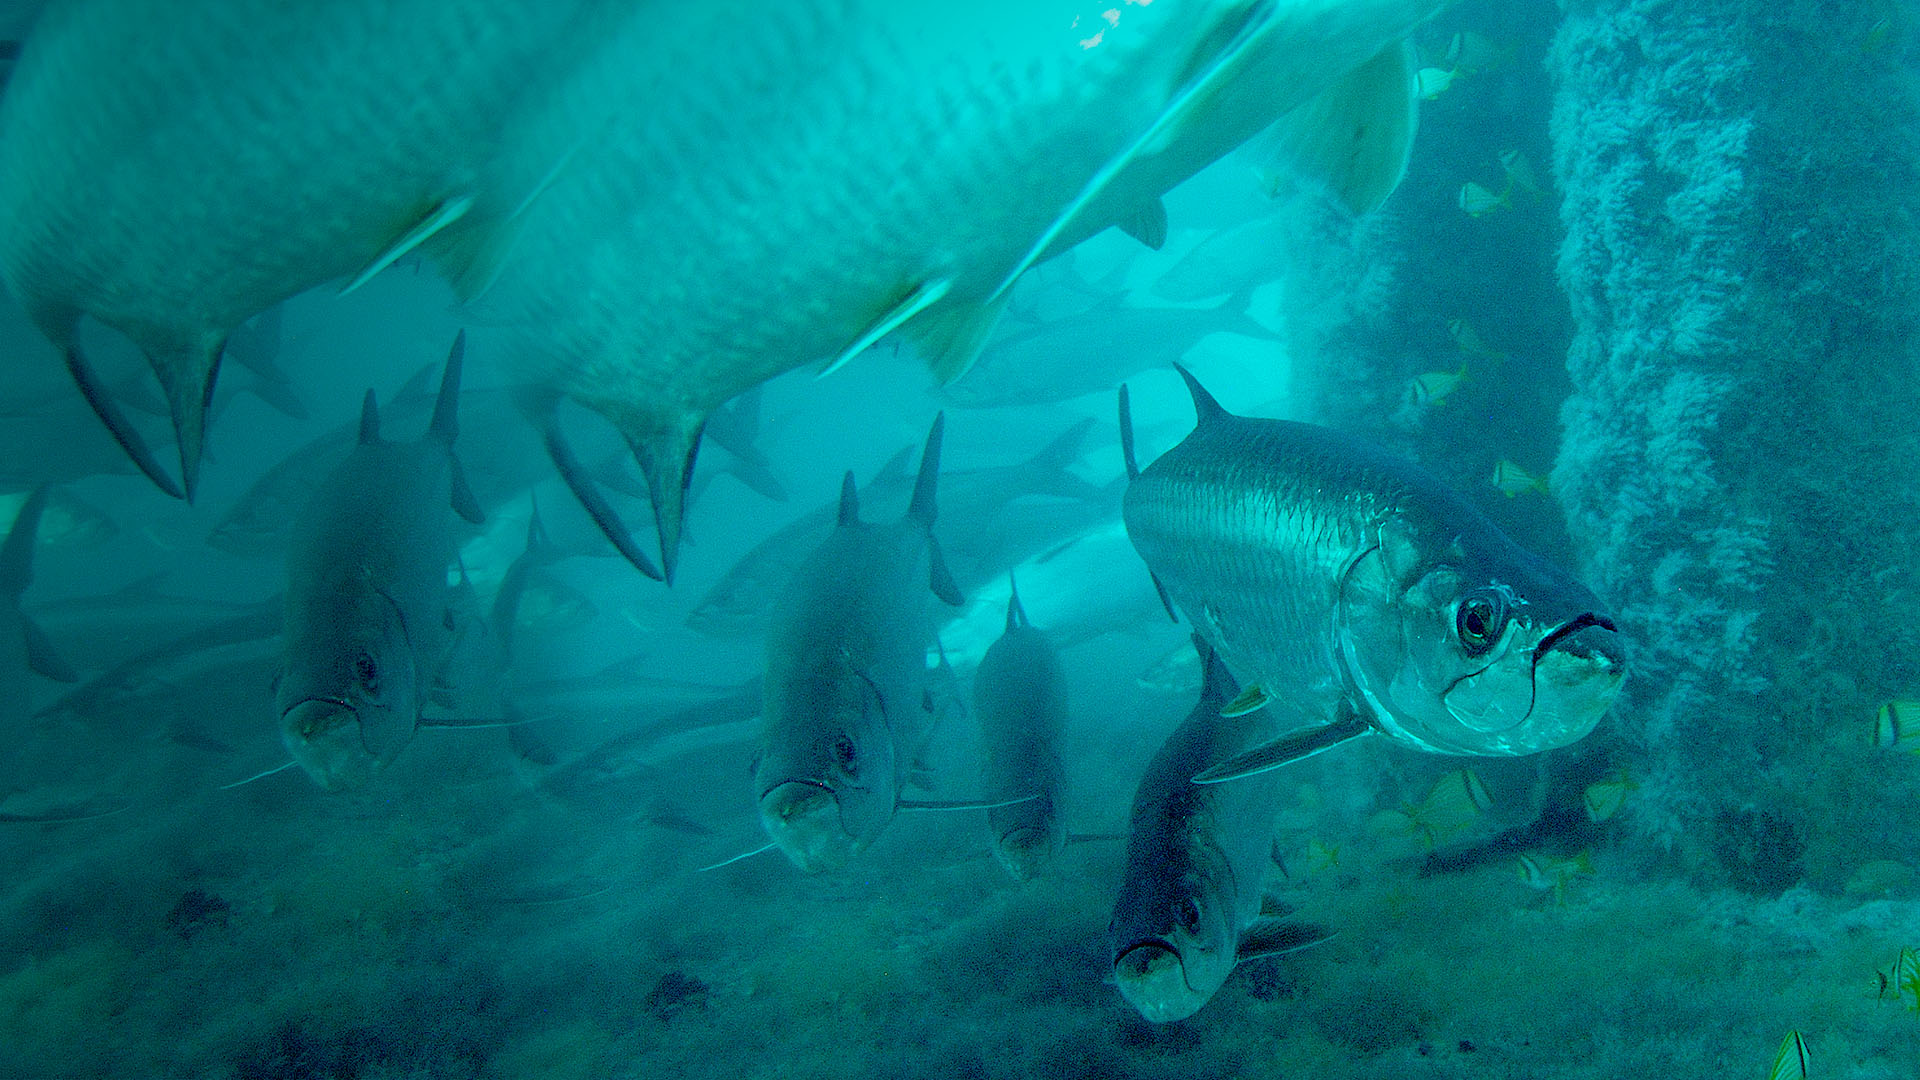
(846, 695)
(366, 626)
(730, 190)
(174, 167)
(1190, 904)
(1351, 589)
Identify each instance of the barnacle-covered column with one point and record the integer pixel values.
(1741, 192)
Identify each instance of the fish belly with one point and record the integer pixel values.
(829, 164)
(173, 167)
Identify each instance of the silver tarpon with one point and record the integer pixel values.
(847, 697)
(1020, 697)
(174, 167)
(366, 619)
(1352, 591)
(729, 190)
(1013, 511)
(1190, 906)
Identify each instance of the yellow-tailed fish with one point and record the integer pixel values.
(1322, 856)
(1792, 1061)
(1433, 387)
(1513, 480)
(1604, 797)
(1434, 81)
(1469, 340)
(1895, 727)
(1477, 201)
(1906, 979)
(1548, 873)
(1876, 37)
(1520, 174)
(1455, 802)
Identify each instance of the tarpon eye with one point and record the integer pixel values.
(367, 671)
(1478, 620)
(844, 753)
(1187, 914)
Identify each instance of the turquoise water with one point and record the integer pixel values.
(1677, 296)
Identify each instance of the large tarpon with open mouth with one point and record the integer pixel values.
(846, 707)
(730, 190)
(1191, 905)
(1356, 593)
(367, 624)
(174, 167)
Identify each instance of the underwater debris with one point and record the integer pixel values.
(197, 910)
(675, 993)
(1760, 852)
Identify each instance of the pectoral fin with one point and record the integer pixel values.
(1273, 937)
(918, 299)
(963, 804)
(1281, 751)
(1148, 225)
(941, 577)
(447, 212)
(464, 502)
(42, 657)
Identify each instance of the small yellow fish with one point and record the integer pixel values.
(1469, 340)
(1604, 797)
(1520, 174)
(1434, 81)
(1433, 387)
(1906, 979)
(1454, 803)
(1322, 856)
(1895, 728)
(1513, 480)
(1548, 873)
(1791, 1062)
(1876, 37)
(1478, 202)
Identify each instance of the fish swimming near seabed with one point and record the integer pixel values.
(1190, 906)
(800, 199)
(366, 617)
(1014, 511)
(173, 192)
(1353, 592)
(1020, 697)
(847, 703)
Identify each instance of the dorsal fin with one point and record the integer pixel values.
(1126, 436)
(849, 500)
(1065, 448)
(446, 407)
(923, 509)
(369, 419)
(1205, 408)
(1016, 615)
(16, 558)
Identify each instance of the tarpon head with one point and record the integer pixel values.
(1458, 641)
(1174, 937)
(349, 707)
(826, 776)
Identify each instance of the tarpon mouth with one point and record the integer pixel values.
(1146, 974)
(1570, 628)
